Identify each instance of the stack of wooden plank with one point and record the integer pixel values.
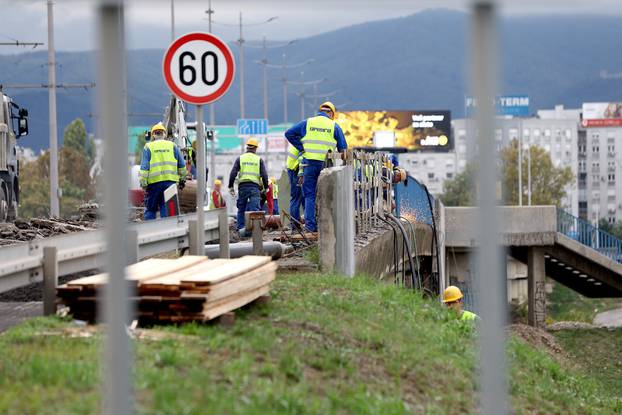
(190, 288)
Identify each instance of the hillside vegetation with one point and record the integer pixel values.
(323, 345)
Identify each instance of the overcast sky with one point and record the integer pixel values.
(149, 22)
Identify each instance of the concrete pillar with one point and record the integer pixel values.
(536, 287)
(335, 204)
(50, 279)
(257, 237)
(223, 233)
(133, 250)
(193, 243)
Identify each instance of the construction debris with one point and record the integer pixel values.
(190, 288)
(36, 228)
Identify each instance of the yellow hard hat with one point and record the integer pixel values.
(330, 106)
(273, 179)
(158, 127)
(451, 294)
(252, 142)
(217, 182)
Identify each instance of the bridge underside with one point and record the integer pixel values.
(578, 267)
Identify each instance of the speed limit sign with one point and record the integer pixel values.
(198, 68)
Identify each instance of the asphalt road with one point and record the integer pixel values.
(15, 312)
(611, 318)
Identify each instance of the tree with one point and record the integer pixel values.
(75, 137)
(76, 185)
(460, 191)
(548, 182)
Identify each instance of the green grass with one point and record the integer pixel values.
(323, 345)
(598, 352)
(565, 304)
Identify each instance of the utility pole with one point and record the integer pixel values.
(265, 79)
(54, 191)
(284, 90)
(241, 43)
(172, 20)
(212, 114)
(302, 95)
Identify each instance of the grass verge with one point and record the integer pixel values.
(323, 345)
(565, 304)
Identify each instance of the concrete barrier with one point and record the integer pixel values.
(335, 211)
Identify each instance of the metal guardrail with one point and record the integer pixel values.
(25, 263)
(589, 235)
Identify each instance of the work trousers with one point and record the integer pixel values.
(248, 201)
(154, 199)
(309, 188)
(295, 194)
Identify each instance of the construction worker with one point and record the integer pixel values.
(314, 137)
(162, 165)
(275, 195)
(295, 189)
(268, 207)
(452, 297)
(217, 201)
(252, 176)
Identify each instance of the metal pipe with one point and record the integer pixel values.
(117, 364)
(275, 249)
(54, 192)
(490, 275)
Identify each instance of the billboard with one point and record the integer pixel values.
(412, 130)
(602, 114)
(514, 105)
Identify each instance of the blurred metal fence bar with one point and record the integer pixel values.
(490, 275)
(117, 363)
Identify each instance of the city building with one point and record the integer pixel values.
(556, 131)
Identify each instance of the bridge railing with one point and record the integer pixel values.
(372, 185)
(589, 235)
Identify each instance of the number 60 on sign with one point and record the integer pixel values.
(198, 68)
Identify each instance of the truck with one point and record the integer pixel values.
(13, 125)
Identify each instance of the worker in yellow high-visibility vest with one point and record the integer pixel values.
(275, 195)
(294, 171)
(250, 170)
(315, 137)
(452, 297)
(162, 165)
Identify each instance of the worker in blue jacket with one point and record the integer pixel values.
(313, 138)
(162, 165)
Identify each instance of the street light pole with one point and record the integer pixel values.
(520, 165)
(54, 191)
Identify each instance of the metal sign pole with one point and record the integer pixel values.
(200, 237)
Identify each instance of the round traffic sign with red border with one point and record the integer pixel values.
(198, 68)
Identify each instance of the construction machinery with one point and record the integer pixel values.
(13, 125)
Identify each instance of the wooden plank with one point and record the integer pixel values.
(148, 269)
(241, 283)
(231, 269)
(212, 311)
(175, 278)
